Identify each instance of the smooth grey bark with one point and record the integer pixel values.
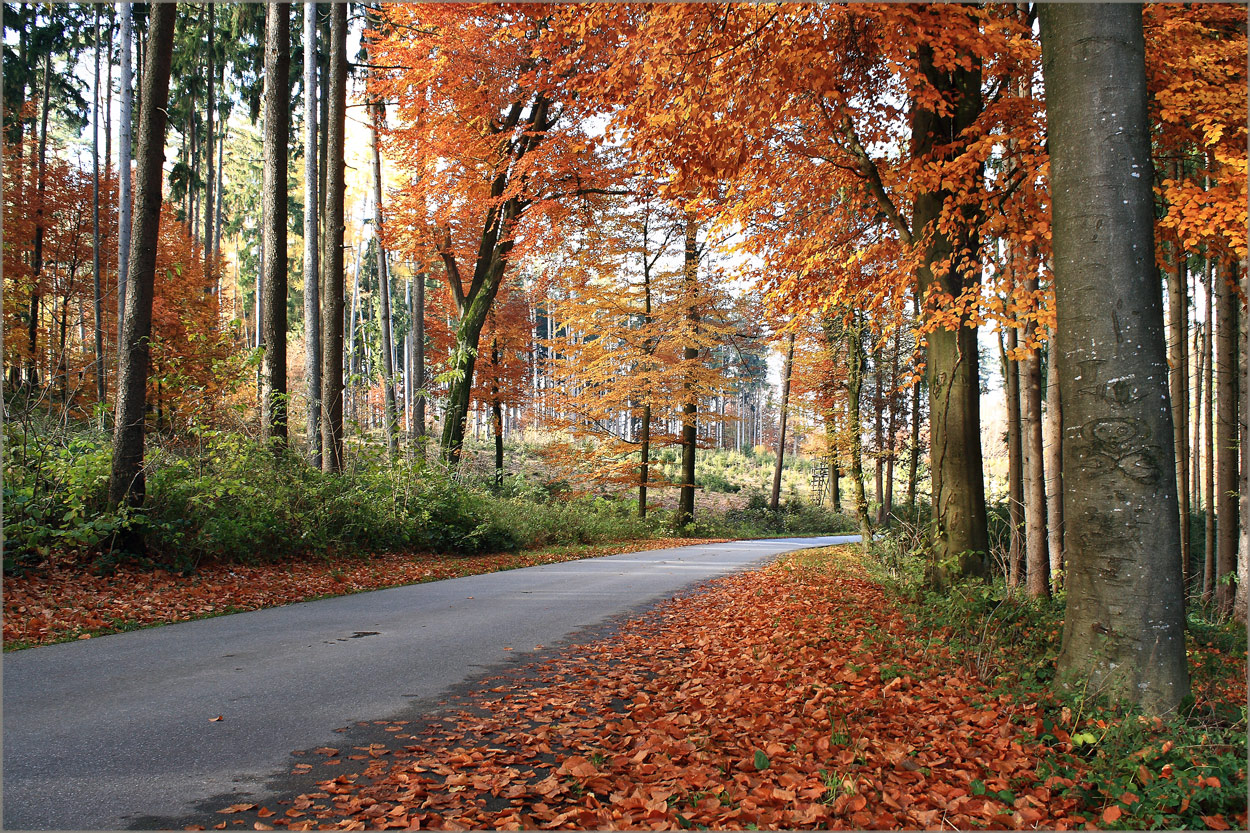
(1227, 306)
(856, 361)
(32, 333)
(126, 482)
(273, 403)
(312, 300)
(389, 410)
(1123, 633)
(123, 168)
(1037, 554)
(775, 500)
(332, 252)
(1053, 459)
(418, 358)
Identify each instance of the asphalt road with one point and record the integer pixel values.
(101, 733)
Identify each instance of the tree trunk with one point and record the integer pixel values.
(1208, 446)
(274, 220)
(775, 501)
(124, 146)
(689, 410)
(856, 359)
(1227, 312)
(312, 299)
(496, 409)
(332, 257)
(1015, 460)
(390, 413)
(126, 483)
(890, 433)
(97, 301)
(210, 9)
(418, 346)
(1125, 620)
(1035, 547)
(32, 333)
(1178, 377)
(1243, 548)
(878, 432)
(960, 535)
(913, 461)
(1053, 458)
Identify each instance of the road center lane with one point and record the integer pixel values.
(100, 732)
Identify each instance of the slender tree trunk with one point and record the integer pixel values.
(1015, 459)
(312, 299)
(1037, 554)
(1053, 456)
(32, 333)
(1243, 548)
(1195, 406)
(878, 433)
(126, 483)
(913, 461)
(689, 424)
(101, 386)
(332, 258)
(208, 144)
(1208, 446)
(384, 290)
(1178, 315)
(775, 501)
(1124, 627)
(418, 343)
(221, 163)
(856, 359)
(1226, 476)
(274, 219)
(496, 408)
(890, 434)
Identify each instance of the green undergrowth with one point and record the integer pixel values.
(1185, 770)
(221, 496)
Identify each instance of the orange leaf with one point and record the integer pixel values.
(1112, 814)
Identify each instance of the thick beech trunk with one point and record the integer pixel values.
(1227, 312)
(332, 251)
(312, 296)
(274, 221)
(1124, 624)
(126, 482)
(775, 500)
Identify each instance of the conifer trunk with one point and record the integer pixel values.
(1124, 624)
(209, 142)
(332, 252)
(312, 296)
(97, 301)
(390, 412)
(1208, 445)
(1226, 476)
(126, 482)
(274, 222)
(124, 146)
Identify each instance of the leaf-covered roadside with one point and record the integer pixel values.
(64, 601)
(797, 696)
